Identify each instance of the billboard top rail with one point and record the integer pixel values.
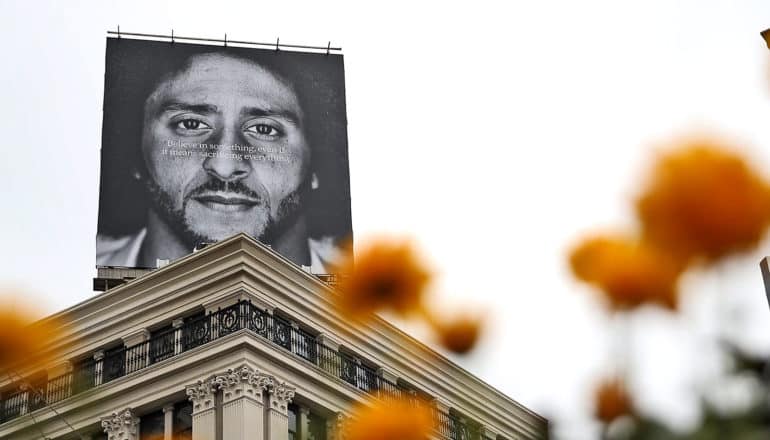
(277, 45)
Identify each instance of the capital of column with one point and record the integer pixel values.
(121, 425)
(201, 395)
(280, 396)
(243, 382)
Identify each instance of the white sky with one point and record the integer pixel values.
(493, 134)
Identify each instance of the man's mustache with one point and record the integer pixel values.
(218, 185)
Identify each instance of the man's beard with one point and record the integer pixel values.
(162, 203)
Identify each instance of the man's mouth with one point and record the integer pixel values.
(226, 201)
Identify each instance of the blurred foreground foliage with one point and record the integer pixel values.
(750, 423)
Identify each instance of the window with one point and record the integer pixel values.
(293, 432)
(151, 426)
(183, 420)
(317, 428)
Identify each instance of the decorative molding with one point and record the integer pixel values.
(121, 425)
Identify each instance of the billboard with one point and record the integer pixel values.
(201, 142)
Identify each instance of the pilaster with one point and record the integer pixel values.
(278, 413)
(202, 396)
(243, 411)
(121, 425)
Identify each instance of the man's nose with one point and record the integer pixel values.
(225, 162)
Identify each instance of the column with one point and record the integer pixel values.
(204, 410)
(303, 423)
(98, 367)
(121, 425)
(243, 410)
(168, 422)
(137, 358)
(278, 413)
(177, 325)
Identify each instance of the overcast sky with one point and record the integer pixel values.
(492, 134)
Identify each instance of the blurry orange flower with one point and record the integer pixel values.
(459, 334)
(630, 273)
(393, 419)
(612, 401)
(387, 274)
(703, 201)
(22, 343)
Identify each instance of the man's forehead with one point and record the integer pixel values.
(216, 77)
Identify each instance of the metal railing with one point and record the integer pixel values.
(201, 330)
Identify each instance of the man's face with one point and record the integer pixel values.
(225, 149)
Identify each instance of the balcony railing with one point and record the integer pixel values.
(121, 361)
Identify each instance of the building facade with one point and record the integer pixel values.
(235, 342)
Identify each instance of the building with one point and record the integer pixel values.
(235, 342)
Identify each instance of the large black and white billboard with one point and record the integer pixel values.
(202, 142)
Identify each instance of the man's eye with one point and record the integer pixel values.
(192, 124)
(263, 130)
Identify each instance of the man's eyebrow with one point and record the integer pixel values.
(261, 112)
(184, 106)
